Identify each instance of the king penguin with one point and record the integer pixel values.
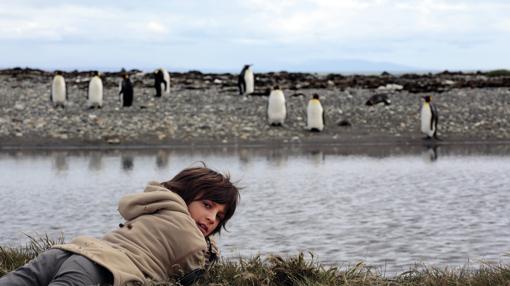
(159, 82)
(95, 98)
(429, 118)
(246, 81)
(276, 107)
(58, 90)
(315, 114)
(126, 91)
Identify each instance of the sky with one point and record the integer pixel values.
(273, 35)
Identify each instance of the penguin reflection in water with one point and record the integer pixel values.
(58, 90)
(276, 107)
(160, 84)
(246, 81)
(429, 118)
(126, 91)
(315, 115)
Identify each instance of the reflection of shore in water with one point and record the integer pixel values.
(60, 161)
(127, 163)
(162, 159)
(277, 157)
(317, 157)
(431, 152)
(95, 161)
(244, 156)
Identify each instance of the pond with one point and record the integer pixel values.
(390, 207)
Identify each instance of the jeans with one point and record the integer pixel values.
(57, 267)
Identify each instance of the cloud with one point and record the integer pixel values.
(339, 21)
(156, 27)
(290, 29)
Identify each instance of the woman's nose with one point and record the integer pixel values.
(211, 217)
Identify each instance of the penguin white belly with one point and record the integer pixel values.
(95, 92)
(249, 80)
(58, 90)
(426, 116)
(166, 77)
(314, 116)
(276, 110)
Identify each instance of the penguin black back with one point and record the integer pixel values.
(240, 81)
(159, 78)
(126, 91)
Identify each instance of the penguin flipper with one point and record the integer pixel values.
(267, 108)
(286, 110)
(433, 118)
(324, 117)
(241, 86)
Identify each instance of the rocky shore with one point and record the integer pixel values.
(206, 109)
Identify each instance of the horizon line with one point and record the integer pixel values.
(213, 70)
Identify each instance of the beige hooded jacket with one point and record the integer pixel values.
(158, 240)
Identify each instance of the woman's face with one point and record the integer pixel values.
(207, 215)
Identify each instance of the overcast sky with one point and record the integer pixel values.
(271, 34)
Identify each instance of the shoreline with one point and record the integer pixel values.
(206, 110)
(250, 145)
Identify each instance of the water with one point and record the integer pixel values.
(389, 207)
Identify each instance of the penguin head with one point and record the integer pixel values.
(276, 87)
(427, 98)
(58, 72)
(315, 96)
(95, 73)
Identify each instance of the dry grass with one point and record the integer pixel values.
(297, 270)
(12, 258)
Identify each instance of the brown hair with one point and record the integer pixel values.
(202, 183)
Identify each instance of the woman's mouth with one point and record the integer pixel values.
(203, 228)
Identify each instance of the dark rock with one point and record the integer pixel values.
(344, 123)
(378, 98)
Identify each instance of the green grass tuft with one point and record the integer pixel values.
(496, 73)
(12, 258)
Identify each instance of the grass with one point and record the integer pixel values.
(12, 258)
(298, 270)
(500, 72)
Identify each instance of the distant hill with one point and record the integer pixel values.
(322, 66)
(350, 66)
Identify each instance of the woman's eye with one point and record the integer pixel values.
(207, 204)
